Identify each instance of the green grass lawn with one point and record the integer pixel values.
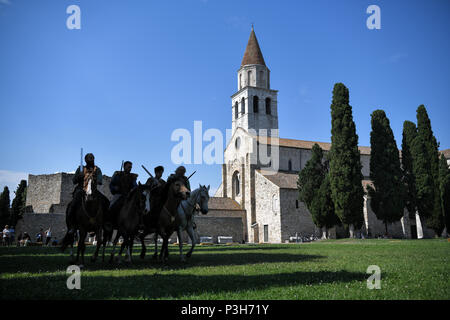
(334, 269)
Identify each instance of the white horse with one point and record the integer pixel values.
(185, 213)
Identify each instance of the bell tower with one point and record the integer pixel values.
(254, 105)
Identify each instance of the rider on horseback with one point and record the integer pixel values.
(81, 178)
(179, 174)
(121, 184)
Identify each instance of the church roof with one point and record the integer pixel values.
(446, 153)
(285, 180)
(253, 54)
(303, 144)
(221, 203)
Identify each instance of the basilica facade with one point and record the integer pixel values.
(260, 169)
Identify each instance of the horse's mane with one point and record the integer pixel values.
(165, 190)
(131, 193)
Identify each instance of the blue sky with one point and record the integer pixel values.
(137, 70)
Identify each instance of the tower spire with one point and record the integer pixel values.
(253, 54)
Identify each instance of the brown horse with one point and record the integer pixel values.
(89, 218)
(130, 217)
(168, 220)
(161, 199)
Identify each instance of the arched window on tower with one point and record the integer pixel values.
(240, 81)
(261, 78)
(236, 106)
(255, 104)
(268, 107)
(249, 78)
(243, 105)
(290, 165)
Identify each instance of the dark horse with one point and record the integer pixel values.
(157, 198)
(89, 218)
(129, 219)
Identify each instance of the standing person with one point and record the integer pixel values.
(48, 236)
(6, 236)
(19, 239)
(26, 240)
(40, 236)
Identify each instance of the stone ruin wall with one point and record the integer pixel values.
(51, 193)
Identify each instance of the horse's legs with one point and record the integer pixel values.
(106, 237)
(77, 259)
(155, 255)
(164, 249)
(130, 247)
(190, 231)
(71, 252)
(116, 239)
(82, 245)
(143, 247)
(98, 236)
(124, 243)
(180, 243)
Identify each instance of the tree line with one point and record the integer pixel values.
(10, 213)
(417, 178)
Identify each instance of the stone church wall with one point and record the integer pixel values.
(219, 226)
(292, 154)
(295, 220)
(267, 208)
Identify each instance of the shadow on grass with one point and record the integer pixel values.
(159, 286)
(245, 247)
(51, 260)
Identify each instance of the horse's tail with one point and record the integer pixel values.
(66, 241)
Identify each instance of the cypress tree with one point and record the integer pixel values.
(422, 176)
(435, 219)
(314, 190)
(4, 206)
(345, 164)
(322, 207)
(387, 200)
(18, 204)
(444, 186)
(311, 177)
(410, 195)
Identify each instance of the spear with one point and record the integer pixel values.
(151, 176)
(192, 174)
(81, 160)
